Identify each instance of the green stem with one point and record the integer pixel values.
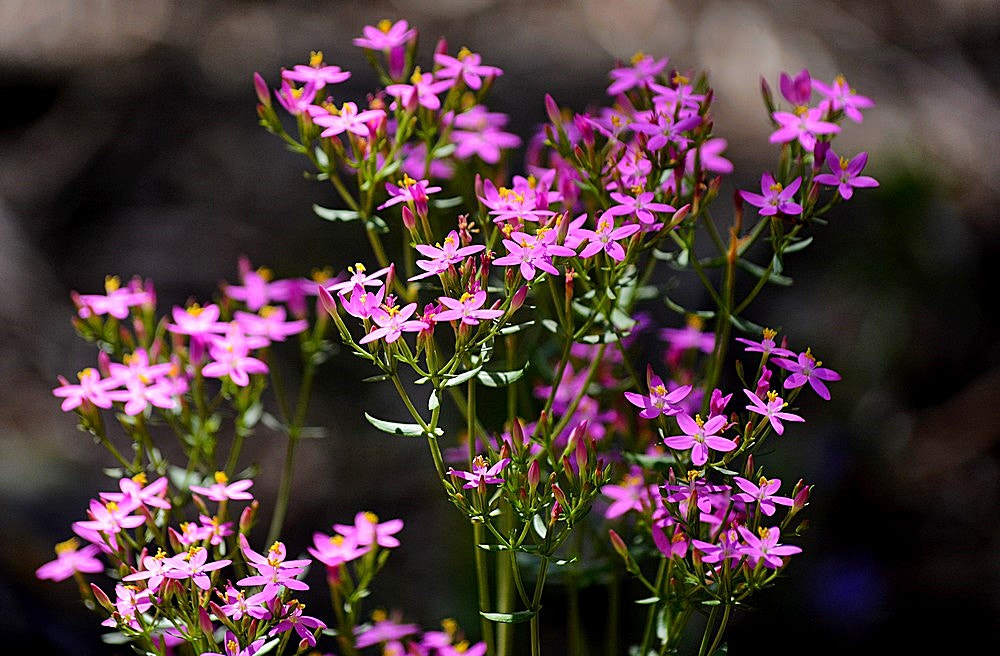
(647, 634)
(483, 585)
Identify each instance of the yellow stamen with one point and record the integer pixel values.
(371, 517)
(316, 58)
(772, 395)
(679, 79)
(466, 296)
(770, 334)
(221, 478)
(763, 531)
(140, 478)
(68, 546)
(417, 76)
(479, 462)
(266, 274)
(463, 53)
(384, 25)
(638, 57)
(695, 322)
(698, 420)
(112, 283)
(776, 187)
(762, 482)
(379, 615)
(321, 275)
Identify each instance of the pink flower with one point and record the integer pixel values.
(382, 630)
(765, 346)
(233, 647)
(643, 71)
(232, 358)
(762, 494)
(659, 401)
(193, 564)
(409, 191)
(606, 237)
(632, 494)
(92, 389)
(362, 303)
(840, 96)
(109, 518)
(316, 73)
(333, 550)
(154, 570)
(386, 36)
(392, 322)
(798, 90)
(443, 255)
(348, 119)
(774, 197)
(360, 276)
(466, 309)
(222, 489)
(803, 125)
(118, 300)
(269, 322)
(807, 369)
(482, 473)
(772, 410)
(273, 571)
(846, 175)
(700, 436)
(765, 548)
(422, 92)
(295, 100)
(367, 530)
(466, 67)
(69, 560)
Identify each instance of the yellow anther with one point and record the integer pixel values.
(379, 615)
(463, 53)
(763, 481)
(659, 390)
(267, 311)
(695, 322)
(194, 310)
(316, 58)
(337, 540)
(771, 395)
(466, 296)
(112, 283)
(638, 57)
(532, 182)
(800, 110)
(698, 420)
(321, 275)
(763, 531)
(479, 462)
(770, 334)
(407, 181)
(776, 187)
(357, 268)
(69, 545)
(140, 478)
(636, 189)
(371, 517)
(679, 79)
(450, 626)
(111, 506)
(384, 25)
(266, 274)
(86, 373)
(221, 478)
(417, 76)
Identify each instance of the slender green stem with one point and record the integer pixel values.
(483, 585)
(647, 634)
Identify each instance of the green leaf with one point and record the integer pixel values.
(397, 428)
(550, 326)
(746, 325)
(462, 377)
(603, 338)
(676, 307)
(721, 651)
(760, 272)
(447, 203)
(509, 618)
(539, 525)
(647, 601)
(711, 602)
(726, 472)
(798, 246)
(500, 378)
(378, 378)
(335, 215)
(516, 328)
(494, 547)
(433, 401)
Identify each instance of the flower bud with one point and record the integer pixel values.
(534, 476)
(101, 598)
(260, 88)
(801, 498)
(552, 110)
(748, 468)
(558, 493)
(409, 220)
(442, 47)
(765, 92)
(205, 621)
(518, 299)
(248, 516)
(618, 544)
(326, 300)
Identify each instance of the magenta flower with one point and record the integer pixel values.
(689, 337)
(765, 548)
(409, 191)
(803, 125)
(348, 119)
(606, 237)
(632, 494)
(303, 625)
(709, 155)
(797, 90)
(232, 358)
(467, 67)
(659, 401)
(466, 309)
(334, 550)
(482, 473)
(846, 175)
(233, 647)
(129, 602)
(807, 369)
(392, 322)
(532, 252)
(386, 36)
(728, 547)
(840, 96)
(772, 410)
(700, 436)
(109, 518)
(422, 92)
(154, 570)
(367, 530)
(222, 489)
(92, 389)
(295, 100)
(269, 322)
(765, 346)
(116, 303)
(362, 303)
(360, 276)
(273, 571)
(382, 630)
(316, 73)
(762, 494)
(135, 493)
(774, 197)
(443, 255)
(673, 545)
(193, 564)
(642, 72)
(70, 559)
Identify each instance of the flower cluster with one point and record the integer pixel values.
(527, 304)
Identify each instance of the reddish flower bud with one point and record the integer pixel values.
(260, 88)
(518, 299)
(101, 598)
(409, 220)
(248, 516)
(618, 544)
(552, 110)
(534, 476)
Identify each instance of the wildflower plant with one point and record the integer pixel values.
(513, 327)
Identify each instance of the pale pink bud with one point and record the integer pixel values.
(409, 220)
(552, 110)
(260, 88)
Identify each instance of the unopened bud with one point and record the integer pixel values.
(765, 92)
(101, 598)
(326, 300)
(518, 299)
(260, 88)
(442, 47)
(249, 516)
(534, 476)
(748, 468)
(801, 498)
(558, 493)
(618, 544)
(409, 220)
(205, 621)
(552, 110)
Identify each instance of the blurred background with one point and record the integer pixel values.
(129, 145)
